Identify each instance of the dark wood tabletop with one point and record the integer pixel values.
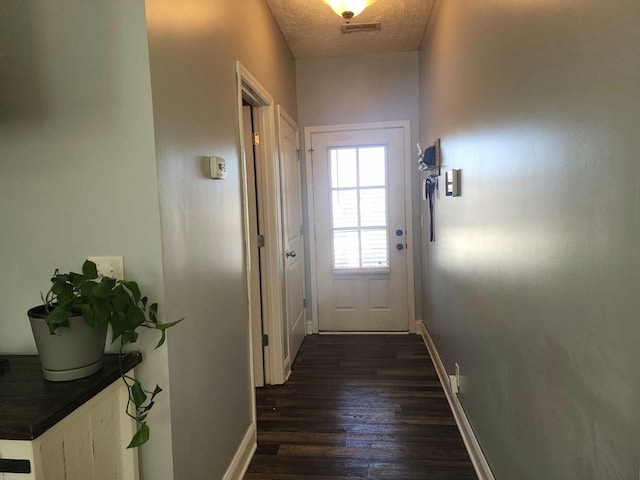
(30, 405)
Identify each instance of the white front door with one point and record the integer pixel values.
(359, 209)
(293, 239)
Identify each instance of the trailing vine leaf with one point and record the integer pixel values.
(138, 394)
(162, 327)
(141, 437)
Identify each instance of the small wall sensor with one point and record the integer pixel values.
(453, 183)
(217, 168)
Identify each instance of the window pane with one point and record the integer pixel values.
(374, 249)
(343, 167)
(372, 167)
(358, 203)
(373, 207)
(345, 208)
(346, 249)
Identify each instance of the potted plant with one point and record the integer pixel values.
(73, 322)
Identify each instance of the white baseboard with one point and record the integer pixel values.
(243, 455)
(341, 332)
(478, 459)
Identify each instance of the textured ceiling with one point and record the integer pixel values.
(312, 29)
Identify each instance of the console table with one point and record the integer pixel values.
(73, 430)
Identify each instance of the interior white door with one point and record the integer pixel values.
(291, 190)
(359, 205)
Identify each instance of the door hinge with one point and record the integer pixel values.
(256, 138)
(304, 303)
(260, 241)
(265, 340)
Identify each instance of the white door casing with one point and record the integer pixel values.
(293, 238)
(269, 198)
(360, 212)
(255, 303)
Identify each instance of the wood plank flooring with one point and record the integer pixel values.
(359, 407)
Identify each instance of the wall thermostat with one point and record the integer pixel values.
(452, 178)
(217, 168)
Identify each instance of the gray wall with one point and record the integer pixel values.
(193, 49)
(363, 89)
(532, 284)
(77, 165)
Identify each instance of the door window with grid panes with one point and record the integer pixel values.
(359, 213)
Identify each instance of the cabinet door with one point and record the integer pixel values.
(90, 443)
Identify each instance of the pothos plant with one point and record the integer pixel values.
(119, 303)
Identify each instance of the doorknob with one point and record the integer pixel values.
(291, 253)
(399, 246)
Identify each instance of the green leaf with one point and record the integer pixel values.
(135, 316)
(153, 312)
(133, 288)
(118, 325)
(78, 281)
(141, 436)
(164, 326)
(163, 337)
(63, 291)
(86, 288)
(138, 395)
(104, 288)
(58, 317)
(102, 310)
(129, 336)
(120, 299)
(87, 314)
(90, 270)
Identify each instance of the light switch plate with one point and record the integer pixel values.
(109, 266)
(452, 178)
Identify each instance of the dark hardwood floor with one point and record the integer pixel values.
(359, 407)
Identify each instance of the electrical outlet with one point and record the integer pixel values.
(109, 266)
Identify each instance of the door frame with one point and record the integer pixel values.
(269, 206)
(405, 125)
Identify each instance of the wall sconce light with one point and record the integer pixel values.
(349, 8)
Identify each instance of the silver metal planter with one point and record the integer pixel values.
(70, 353)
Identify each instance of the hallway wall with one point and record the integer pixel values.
(193, 48)
(78, 167)
(363, 89)
(532, 283)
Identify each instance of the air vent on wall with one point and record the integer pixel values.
(360, 27)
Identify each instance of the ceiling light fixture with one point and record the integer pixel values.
(348, 8)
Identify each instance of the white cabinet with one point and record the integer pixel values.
(87, 444)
